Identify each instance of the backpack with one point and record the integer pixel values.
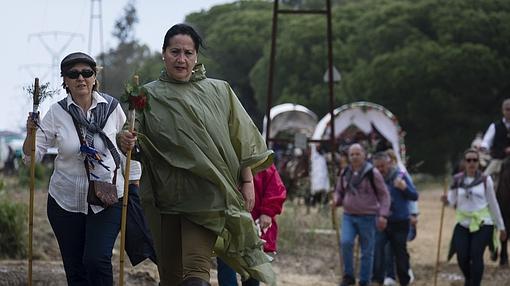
(369, 174)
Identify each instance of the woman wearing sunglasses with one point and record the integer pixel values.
(477, 211)
(85, 233)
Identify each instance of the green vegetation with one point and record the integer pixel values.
(441, 67)
(13, 218)
(297, 229)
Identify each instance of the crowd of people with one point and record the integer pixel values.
(208, 186)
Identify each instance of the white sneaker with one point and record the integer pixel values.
(411, 276)
(388, 281)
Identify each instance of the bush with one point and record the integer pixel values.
(13, 225)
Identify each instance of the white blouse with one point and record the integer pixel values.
(69, 183)
(477, 198)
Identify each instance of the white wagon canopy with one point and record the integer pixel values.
(290, 119)
(360, 121)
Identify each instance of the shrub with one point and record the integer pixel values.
(13, 225)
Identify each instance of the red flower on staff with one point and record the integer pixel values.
(138, 102)
(136, 97)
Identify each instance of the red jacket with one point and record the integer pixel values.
(270, 193)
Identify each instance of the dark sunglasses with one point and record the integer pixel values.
(469, 160)
(74, 74)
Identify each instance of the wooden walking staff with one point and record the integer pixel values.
(436, 270)
(334, 220)
(35, 106)
(127, 169)
(137, 99)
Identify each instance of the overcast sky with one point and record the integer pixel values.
(25, 55)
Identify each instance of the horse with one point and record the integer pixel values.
(503, 197)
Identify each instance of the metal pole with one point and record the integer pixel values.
(332, 122)
(271, 70)
(330, 79)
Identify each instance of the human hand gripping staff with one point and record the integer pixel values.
(137, 99)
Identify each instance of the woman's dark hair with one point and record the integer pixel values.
(183, 29)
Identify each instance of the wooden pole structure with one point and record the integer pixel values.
(334, 220)
(436, 269)
(127, 168)
(35, 106)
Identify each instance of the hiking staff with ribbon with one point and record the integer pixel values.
(34, 116)
(478, 217)
(38, 93)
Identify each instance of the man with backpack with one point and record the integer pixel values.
(362, 192)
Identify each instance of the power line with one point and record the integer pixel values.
(29, 68)
(96, 15)
(56, 43)
(56, 53)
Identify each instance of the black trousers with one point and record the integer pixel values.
(396, 234)
(470, 247)
(86, 242)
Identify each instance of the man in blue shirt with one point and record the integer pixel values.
(402, 192)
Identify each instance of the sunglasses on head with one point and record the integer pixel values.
(74, 74)
(469, 160)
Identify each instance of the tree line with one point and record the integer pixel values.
(442, 67)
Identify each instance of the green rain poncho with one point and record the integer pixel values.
(194, 142)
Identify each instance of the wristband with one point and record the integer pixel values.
(246, 182)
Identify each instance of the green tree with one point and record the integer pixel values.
(440, 66)
(235, 35)
(128, 58)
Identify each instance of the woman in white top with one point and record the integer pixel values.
(477, 211)
(85, 233)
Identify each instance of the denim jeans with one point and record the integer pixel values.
(86, 242)
(396, 234)
(364, 226)
(228, 277)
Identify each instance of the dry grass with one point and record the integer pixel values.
(308, 248)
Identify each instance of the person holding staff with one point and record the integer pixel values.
(199, 150)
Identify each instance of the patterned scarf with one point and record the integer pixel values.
(99, 116)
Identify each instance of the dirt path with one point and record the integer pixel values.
(316, 264)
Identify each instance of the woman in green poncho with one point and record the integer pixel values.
(199, 149)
